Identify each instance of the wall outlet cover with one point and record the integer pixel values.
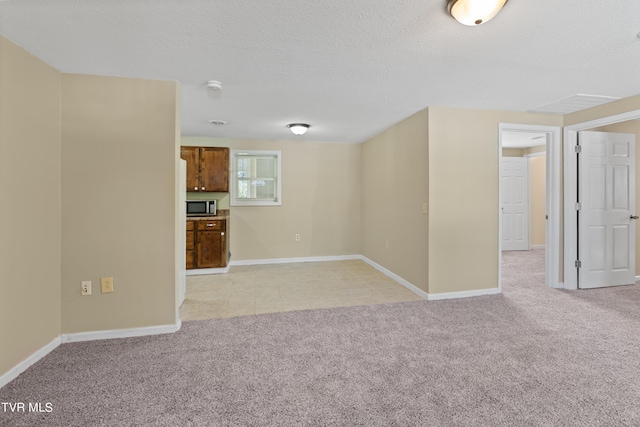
(86, 288)
(106, 284)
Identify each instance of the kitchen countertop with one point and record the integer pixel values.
(221, 214)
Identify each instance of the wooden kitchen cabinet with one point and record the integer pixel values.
(191, 245)
(207, 168)
(210, 243)
(192, 156)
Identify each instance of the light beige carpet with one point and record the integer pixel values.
(532, 356)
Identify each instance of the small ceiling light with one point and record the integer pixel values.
(214, 85)
(298, 128)
(217, 122)
(474, 12)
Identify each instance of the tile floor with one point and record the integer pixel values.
(258, 289)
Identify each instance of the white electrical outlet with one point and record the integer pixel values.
(387, 246)
(297, 237)
(86, 287)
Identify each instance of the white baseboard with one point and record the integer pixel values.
(23, 366)
(416, 290)
(295, 260)
(537, 246)
(121, 333)
(463, 294)
(84, 336)
(637, 278)
(201, 271)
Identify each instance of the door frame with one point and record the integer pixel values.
(571, 186)
(553, 187)
(529, 157)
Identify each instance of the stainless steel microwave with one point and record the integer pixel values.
(201, 207)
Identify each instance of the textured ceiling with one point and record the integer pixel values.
(349, 68)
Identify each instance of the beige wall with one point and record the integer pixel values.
(395, 184)
(30, 218)
(521, 152)
(463, 195)
(320, 201)
(536, 149)
(119, 155)
(448, 158)
(513, 152)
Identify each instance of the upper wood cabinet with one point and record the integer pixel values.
(207, 168)
(192, 156)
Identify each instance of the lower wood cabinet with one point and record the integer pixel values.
(209, 243)
(191, 244)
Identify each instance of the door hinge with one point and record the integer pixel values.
(578, 263)
(578, 148)
(578, 206)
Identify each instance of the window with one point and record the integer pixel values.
(255, 178)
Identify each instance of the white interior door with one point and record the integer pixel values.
(515, 204)
(606, 197)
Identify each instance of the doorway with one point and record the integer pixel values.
(549, 138)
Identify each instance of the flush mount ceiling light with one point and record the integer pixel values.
(474, 12)
(298, 128)
(217, 122)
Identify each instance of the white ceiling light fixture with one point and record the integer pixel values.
(474, 12)
(298, 128)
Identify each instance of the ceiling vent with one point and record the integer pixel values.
(574, 103)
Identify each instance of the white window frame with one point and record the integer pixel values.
(234, 200)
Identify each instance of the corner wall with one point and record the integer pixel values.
(395, 185)
(30, 217)
(119, 157)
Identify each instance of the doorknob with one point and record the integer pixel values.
(634, 217)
